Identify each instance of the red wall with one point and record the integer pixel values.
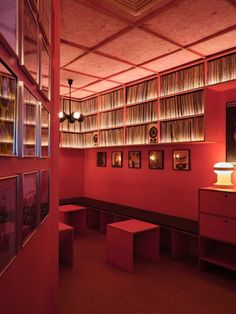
(71, 173)
(30, 283)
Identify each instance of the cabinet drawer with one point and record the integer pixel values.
(219, 228)
(219, 203)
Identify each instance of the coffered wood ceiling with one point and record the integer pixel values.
(107, 43)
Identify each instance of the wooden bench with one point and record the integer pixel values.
(178, 235)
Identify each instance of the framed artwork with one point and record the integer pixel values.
(45, 132)
(45, 17)
(44, 180)
(8, 111)
(45, 69)
(117, 159)
(8, 220)
(156, 159)
(101, 159)
(231, 132)
(29, 42)
(30, 124)
(134, 159)
(181, 159)
(30, 212)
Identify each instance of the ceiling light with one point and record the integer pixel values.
(72, 116)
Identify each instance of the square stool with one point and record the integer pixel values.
(127, 237)
(75, 216)
(66, 247)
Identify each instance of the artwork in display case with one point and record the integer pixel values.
(231, 132)
(156, 159)
(45, 70)
(101, 159)
(117, 159)
(29, 42)
(181, 159)
(30, 211)
(44, 193)
(8, 97)
(45, 17)
(45, 133)
(30, 119)
(134, 159)
(8, 220)
(8, 17)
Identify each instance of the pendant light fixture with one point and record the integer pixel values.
(72, 116)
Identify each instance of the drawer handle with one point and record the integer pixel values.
(226, 195)
(226, 220)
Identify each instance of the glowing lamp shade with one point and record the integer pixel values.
(224, 172)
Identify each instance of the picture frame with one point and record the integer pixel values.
(44, 132)
(29, 41)
(231, 132)
(44, 188)
(101, 159)
(156, 159)
(117, 159)
(134, 159)
(45, 69)
(30, 205)
(8, 220)
(8, 111)
(181, 159)
(29, 112)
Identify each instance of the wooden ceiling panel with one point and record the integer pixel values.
(216, 44)
(69, 53)
(131, 75)
(86, 26)
(137, 46)
(81, 94)
(79, 80)
(102, 86)
(64, 90)
(97, 65)
(191, 20)
(171, 61)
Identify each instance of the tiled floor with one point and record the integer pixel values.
(169, 287)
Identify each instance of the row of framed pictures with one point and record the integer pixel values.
(24, 205)
(26, 28)
(180, 159)
(24, 120)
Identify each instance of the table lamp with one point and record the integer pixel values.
(224, 172)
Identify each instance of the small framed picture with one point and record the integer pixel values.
(181, 159)
(101, 159)
(30, 210)
(8, 220)
(231, 132)
(44, 193)
(156, 159)
(134, 159)
(117, 159)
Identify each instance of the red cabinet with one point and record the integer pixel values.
(217, 227)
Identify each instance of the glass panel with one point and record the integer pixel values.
(30, 121)
(29, 223)
(44, 193)
(8, 209)
(30, 42)
(8, 20)
(46, 17)
(7, 111)
(45, 132)
(45, 76)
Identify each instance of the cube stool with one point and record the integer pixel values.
(66, 250)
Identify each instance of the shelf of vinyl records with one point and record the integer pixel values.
(173, 101)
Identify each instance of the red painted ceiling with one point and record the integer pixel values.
(107, 43)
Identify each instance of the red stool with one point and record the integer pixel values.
(66, 250)
(75, 216)
(128, 237)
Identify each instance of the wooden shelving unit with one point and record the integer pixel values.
(173, 102)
